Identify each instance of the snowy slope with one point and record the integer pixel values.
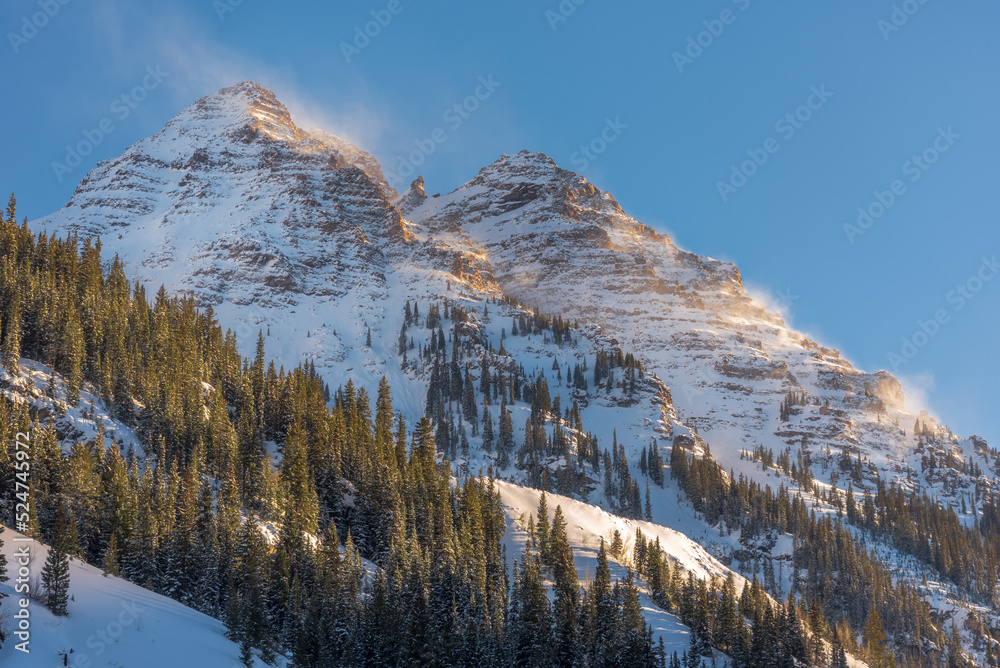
(586, 526)
(238, 207)
(113, 623)
(80, 423)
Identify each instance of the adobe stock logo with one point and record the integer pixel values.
(223, 7)
(714, 28)
(363, 35)
(454, 117)
(565, 9)
(786, 126)
(122, 107)
(589, 152)
(957, 299)
(914, 168)
(899, 17)
(30, 25)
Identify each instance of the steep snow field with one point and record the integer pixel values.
(586, 525)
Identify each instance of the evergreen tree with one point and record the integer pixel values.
(55, 572)
(110, 564)
(530, 616)
(302, 507)
(12, 337)
(3, 578)
(505, 445)
(567, 593)
(794, 638)
(876, 646)
(542, 528)
(601, 610)
(3, 567)
(839, 656)
(487, 430)
(633, 647)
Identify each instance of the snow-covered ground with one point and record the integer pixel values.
(586, 525)
(82, 422)
(112, 623)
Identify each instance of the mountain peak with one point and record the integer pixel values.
(245, 88)
(414, 196)
(242, 111)
(523, 166)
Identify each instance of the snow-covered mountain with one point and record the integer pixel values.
(277, 227)
(556, 241)
(297, 233)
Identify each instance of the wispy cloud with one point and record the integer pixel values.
(184, 42)
(916, 390)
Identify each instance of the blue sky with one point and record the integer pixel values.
(890, 107)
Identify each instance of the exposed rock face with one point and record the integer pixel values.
(413, 197)
(886, 387)
(363, 160)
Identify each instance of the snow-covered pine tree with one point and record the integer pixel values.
(530, 616)
(567, 595)
(55, 572)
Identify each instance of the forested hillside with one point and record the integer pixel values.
(232, 445)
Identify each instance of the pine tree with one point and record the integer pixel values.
(302, 507)
(601, 613)
(567, 593)
(542, 528)
(617, 545)
(110, 563)
(794, 637)
(633, 645)
(55, 572)
(487, 430)
(505, 445)
(72, 353)
(956, 657)
(12, 337)
(729, 622)
(839, 656)
(3, 578)
(879, 654)
(692, 657)
(246, 650)
(530, 616)
(3, 571)
(401, 342)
